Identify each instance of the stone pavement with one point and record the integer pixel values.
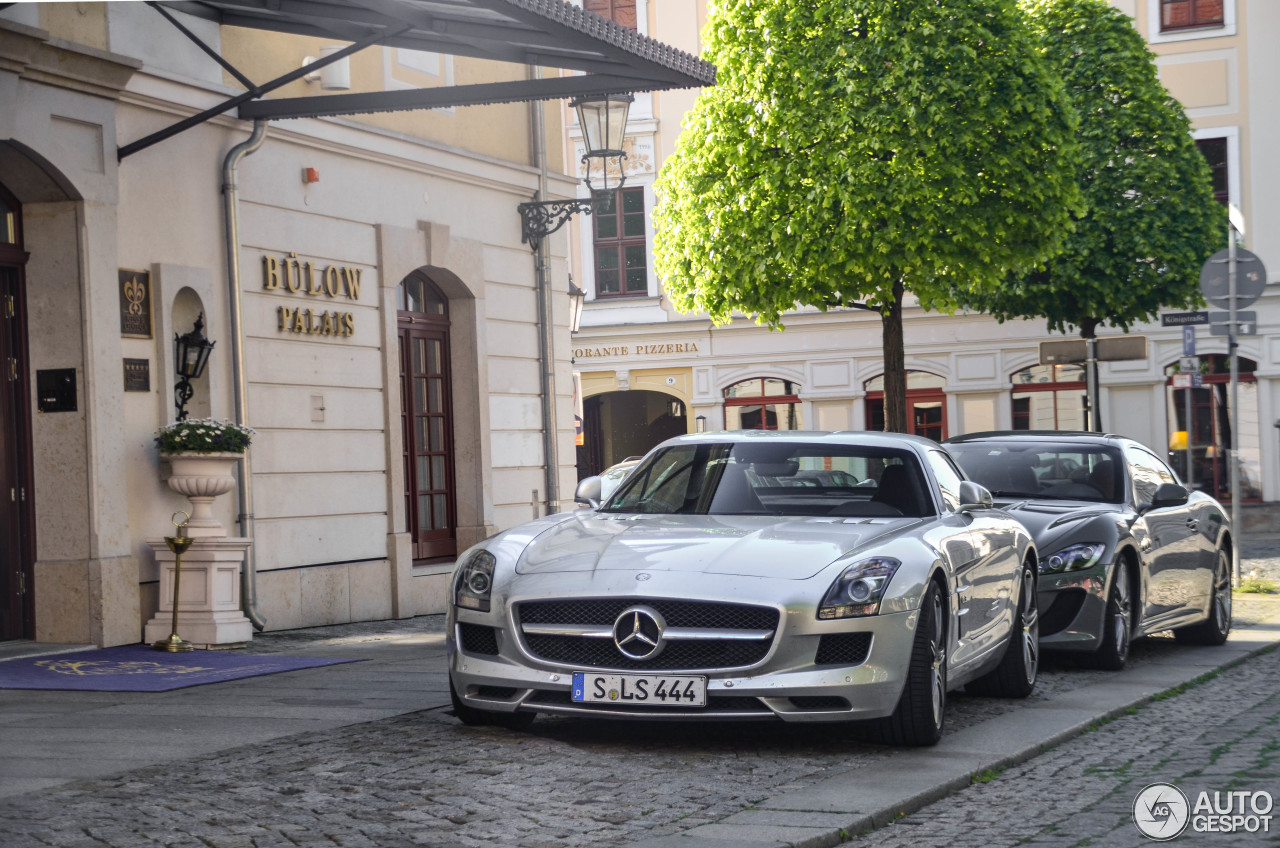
(366, 754)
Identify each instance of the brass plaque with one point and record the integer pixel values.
(135, 304)
(137, 375)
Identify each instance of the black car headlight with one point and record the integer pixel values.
(474, 581)
(1073, 558)
(858, 589)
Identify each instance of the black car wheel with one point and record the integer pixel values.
(1214, 629)
(473, 717)
(1015, 677)
(917, 720)
(1117, 622)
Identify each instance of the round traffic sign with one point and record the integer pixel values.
(1251, 279)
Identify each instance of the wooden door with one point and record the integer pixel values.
(16, 531)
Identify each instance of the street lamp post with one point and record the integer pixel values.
(603, 120)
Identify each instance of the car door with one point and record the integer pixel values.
(1172, 550)
(981, 600)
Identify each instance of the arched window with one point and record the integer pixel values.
(1049, 397)
(762, 403)
(926, 405)
(1210, 436)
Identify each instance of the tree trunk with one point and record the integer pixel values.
(895, 369)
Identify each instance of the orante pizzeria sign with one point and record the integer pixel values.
(635, 350)
(290, 275)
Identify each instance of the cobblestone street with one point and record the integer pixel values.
(423, 779)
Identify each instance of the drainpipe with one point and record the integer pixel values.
(244, 488)
(546, 332)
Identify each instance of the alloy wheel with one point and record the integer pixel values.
(1121, 623)
(937, 677)
(1030, 626)
(1222, 594)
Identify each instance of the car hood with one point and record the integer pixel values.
(1049, 522)
(755, 546)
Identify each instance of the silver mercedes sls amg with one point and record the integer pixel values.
(1125, 549)
(735, 576)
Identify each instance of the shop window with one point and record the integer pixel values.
(1214, 151)
(1199, 453)
(1049, 397)
(762, 403)
(926, 405)
(1190, 14)
(621, 254)
(8, 221)
(619, 11)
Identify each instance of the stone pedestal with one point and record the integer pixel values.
(209, 593)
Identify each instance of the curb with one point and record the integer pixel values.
(821, 816)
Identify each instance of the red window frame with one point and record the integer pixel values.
(620, 249)
(760, 399)
(1191, 14)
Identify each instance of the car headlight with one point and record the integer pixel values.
(858, 589)
(474, 582)
(1073, 558)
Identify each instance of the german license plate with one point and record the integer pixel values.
(653, 690)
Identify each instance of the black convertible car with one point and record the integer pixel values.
(1125, 550)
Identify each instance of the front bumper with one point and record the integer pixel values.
(786, 684)
(1073, 609)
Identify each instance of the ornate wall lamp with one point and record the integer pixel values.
(191, 355)
(603, 120)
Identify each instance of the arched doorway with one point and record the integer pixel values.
(926, 405)
(16, 527)
(426, 412)
(617, 425)
(1211, 436)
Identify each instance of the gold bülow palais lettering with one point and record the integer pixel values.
(296, 276)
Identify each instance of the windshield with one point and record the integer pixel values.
(775, 478)
(1043, 471)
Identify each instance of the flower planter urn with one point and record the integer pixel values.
(202, 477)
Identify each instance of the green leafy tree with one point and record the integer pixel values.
(1151, 220)
(856, 150)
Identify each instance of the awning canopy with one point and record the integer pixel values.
(549, 33)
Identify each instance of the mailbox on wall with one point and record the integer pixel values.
(56, 390)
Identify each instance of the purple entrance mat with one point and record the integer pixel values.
(140, 668)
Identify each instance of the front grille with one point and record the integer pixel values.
(716, 703)
(1064, 609)
(591, 652)
(843, 649)
(478, 639)
(819, 702)
(677, 613)
(602, 653)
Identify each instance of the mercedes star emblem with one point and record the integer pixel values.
(638, 632)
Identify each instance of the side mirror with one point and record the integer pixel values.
(973, 496)
(588, 492)
(1167, 494)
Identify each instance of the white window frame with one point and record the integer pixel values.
(1235, 186)
(1155, 36)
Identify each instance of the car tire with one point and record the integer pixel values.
(1117, 622)
(1015, 676)
(917, 720)
(1214, 629)
(473, 717)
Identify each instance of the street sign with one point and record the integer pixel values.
(1243, 329)
(1251, 279)
(1236, 217)
(1110, 349)
(1182, 319)
(1243, 316)
(1118, 348)
(1189, 364)
(1182, 381)
(1188, 341)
